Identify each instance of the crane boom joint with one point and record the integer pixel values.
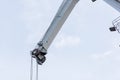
(39, 54)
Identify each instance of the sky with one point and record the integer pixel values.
(84, 49)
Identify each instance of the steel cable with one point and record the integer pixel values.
(31, 69)
(36, 70)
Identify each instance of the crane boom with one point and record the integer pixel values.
(114, 3)
(59, 19)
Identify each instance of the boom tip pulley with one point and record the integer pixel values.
(39, 56)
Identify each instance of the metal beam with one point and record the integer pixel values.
(114, 3)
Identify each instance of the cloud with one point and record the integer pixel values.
(113, 55)
(67, 41)
(101, 56)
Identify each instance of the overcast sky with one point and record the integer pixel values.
(84, 49)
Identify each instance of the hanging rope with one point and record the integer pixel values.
(36, 70)
(31, 70)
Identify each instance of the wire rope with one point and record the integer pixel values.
(31, 69)
(36, 70)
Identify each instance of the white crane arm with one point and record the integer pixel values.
(61, 16)
(59, 19)
(114, 3)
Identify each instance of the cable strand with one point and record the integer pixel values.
(31, 69)
(36, 71)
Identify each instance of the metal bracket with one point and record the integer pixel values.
(116, 25)
(39, 56)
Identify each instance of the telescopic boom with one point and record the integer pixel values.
(59, 19)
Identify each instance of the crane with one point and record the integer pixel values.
(114, 3)
(116, 22)
(63, 12)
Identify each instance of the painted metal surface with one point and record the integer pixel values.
(59, 19)
(114, 3)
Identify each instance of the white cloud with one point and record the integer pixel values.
(67, 41)
(101, 55)
(113, 55)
